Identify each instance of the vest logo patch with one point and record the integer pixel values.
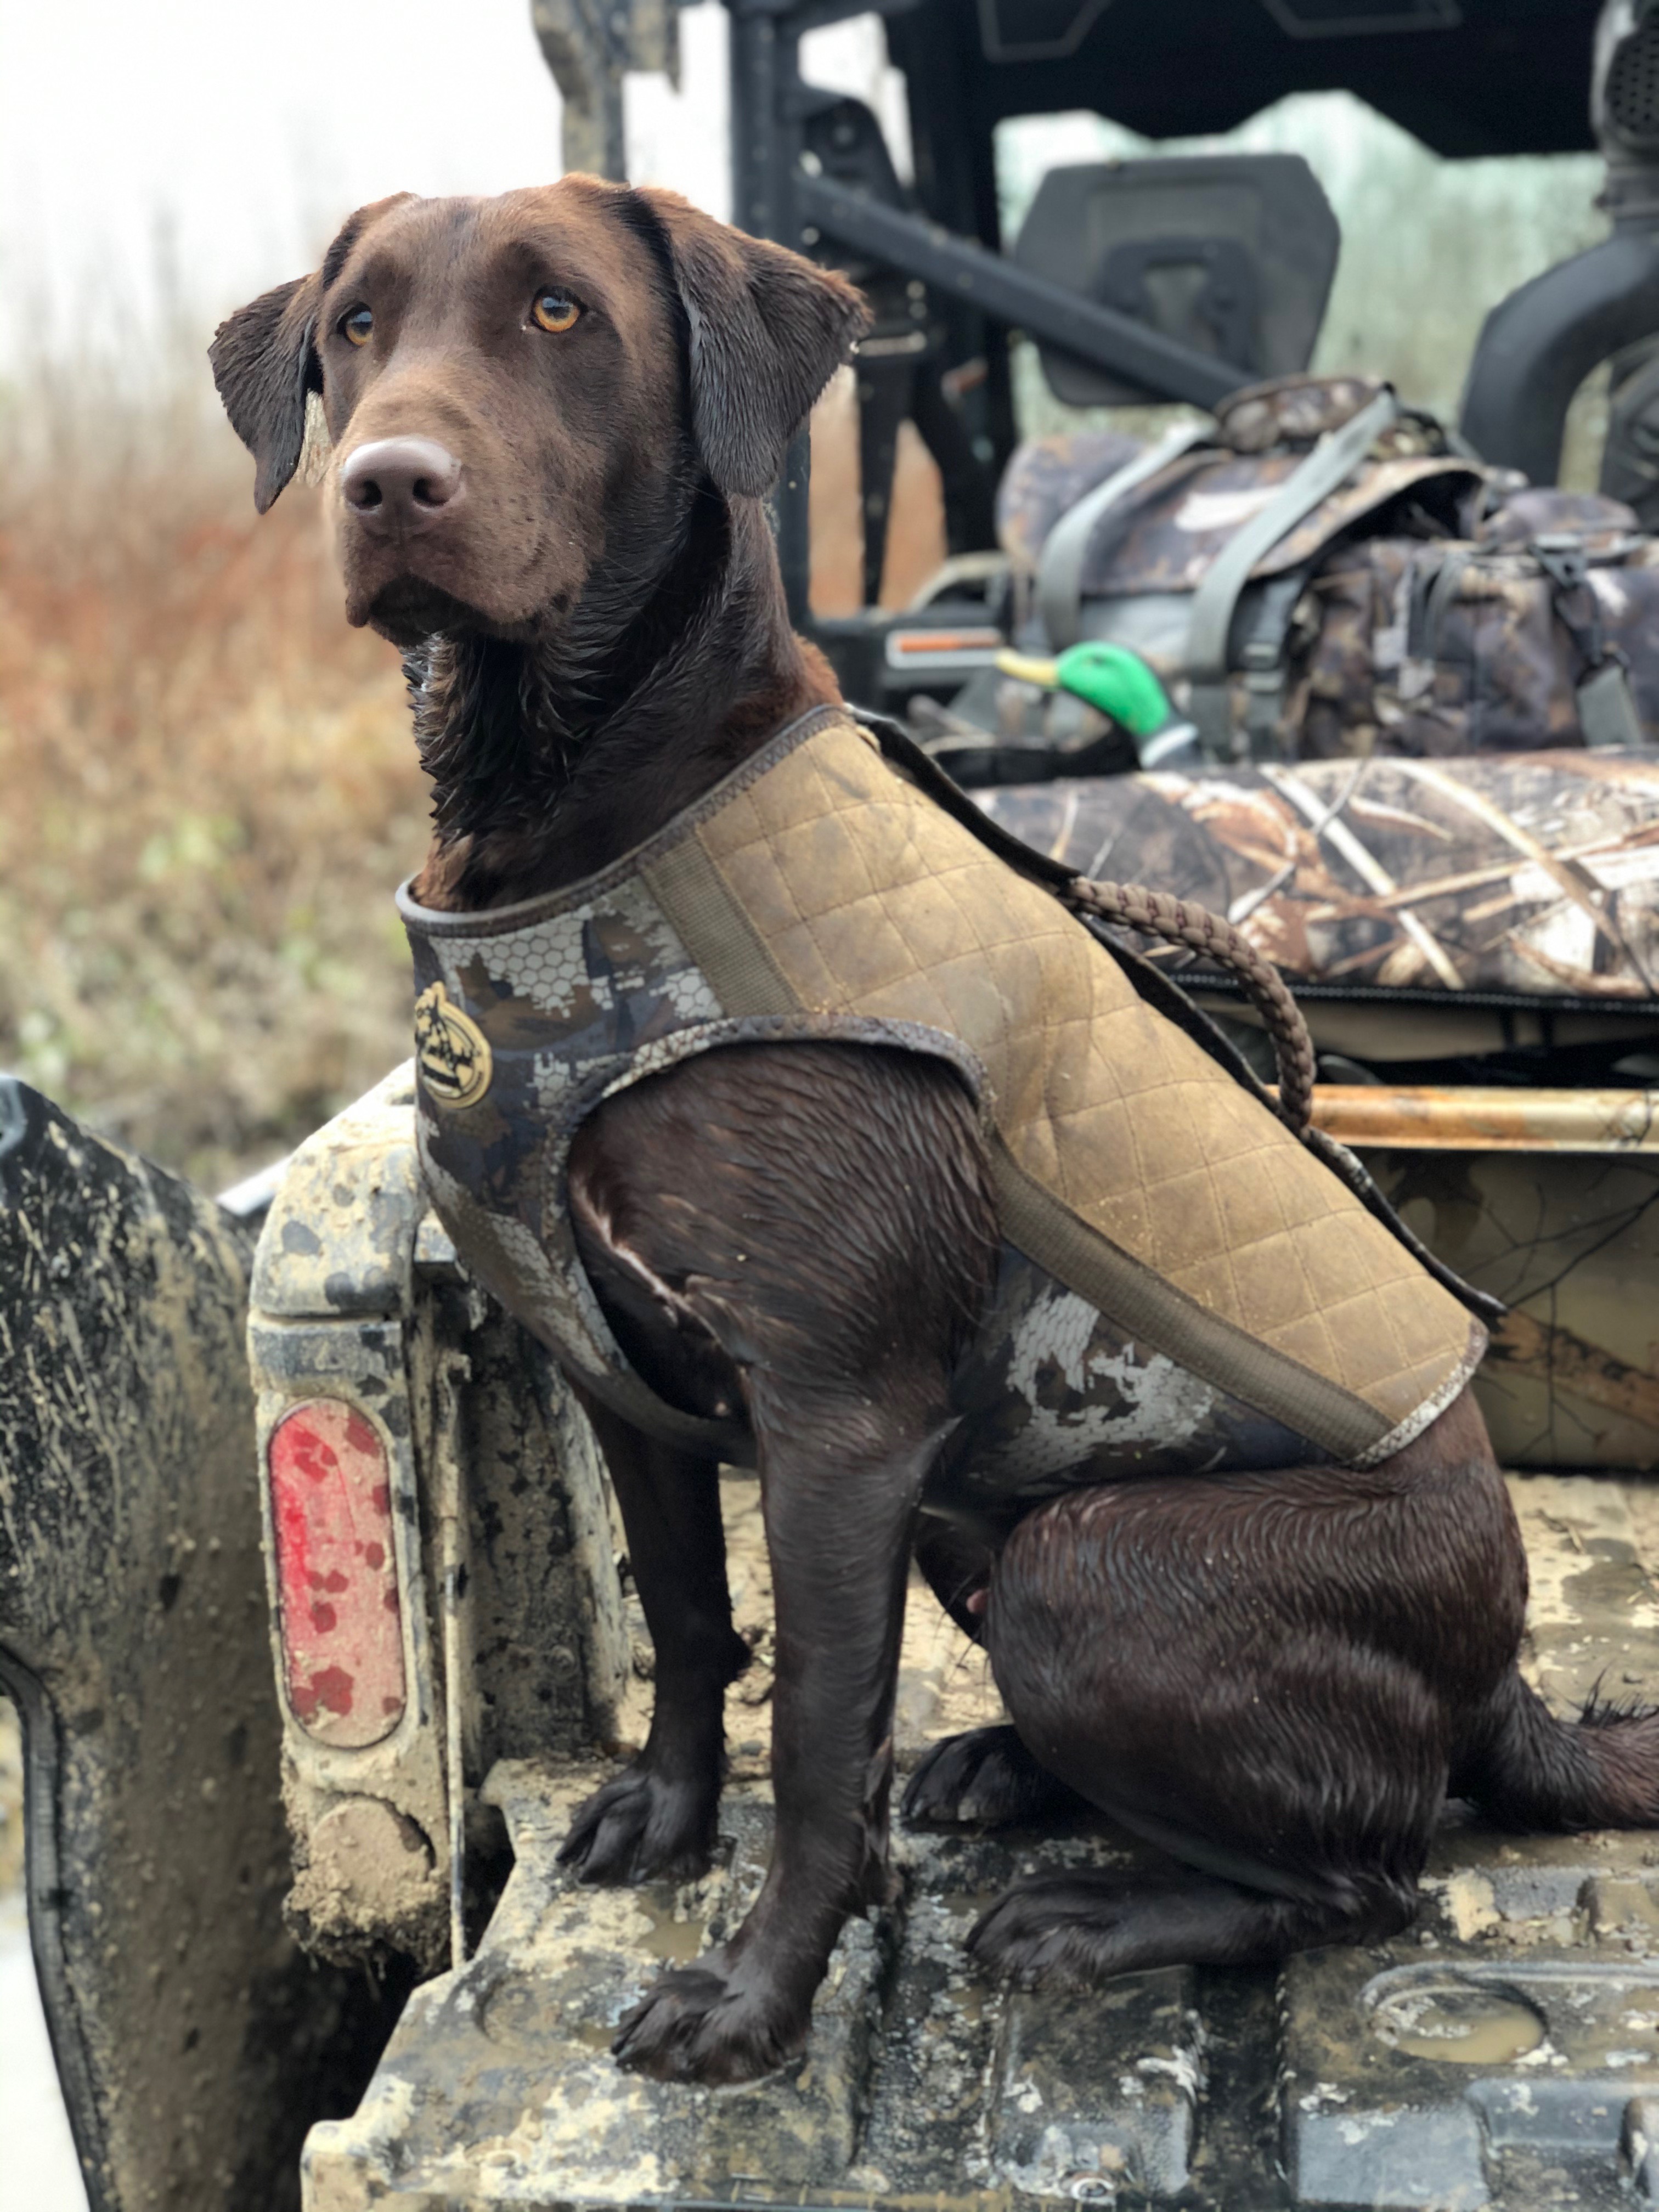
(451, 1050)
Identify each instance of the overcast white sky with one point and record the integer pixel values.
(229, 138)
(223, 140)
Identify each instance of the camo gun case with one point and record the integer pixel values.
(1526, 878)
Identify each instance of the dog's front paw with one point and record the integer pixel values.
(705, 2023)
(642, 1825)
(986, 1776)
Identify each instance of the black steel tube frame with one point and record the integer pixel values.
(1537, 347)
(773, 197)
(1042, 309)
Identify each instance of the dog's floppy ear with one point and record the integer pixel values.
(266, 366)
(768, 330)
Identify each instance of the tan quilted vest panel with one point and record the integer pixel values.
(864, 898)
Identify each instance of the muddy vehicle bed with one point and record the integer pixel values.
(1505, 2050)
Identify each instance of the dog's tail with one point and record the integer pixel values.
(1527, 1769)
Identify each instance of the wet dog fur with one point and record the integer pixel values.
(1277, 1677)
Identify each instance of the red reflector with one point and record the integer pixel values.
(340, 1619)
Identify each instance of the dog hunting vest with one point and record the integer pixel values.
(1182, 1284)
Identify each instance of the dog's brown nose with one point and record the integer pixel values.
(399, 485)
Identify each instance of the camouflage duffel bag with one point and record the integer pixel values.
(1317, 574)
(1542, 632)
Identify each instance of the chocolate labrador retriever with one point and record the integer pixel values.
(553, 416)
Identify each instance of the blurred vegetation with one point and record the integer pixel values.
(210, 788)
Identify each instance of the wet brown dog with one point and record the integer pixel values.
(552, 416)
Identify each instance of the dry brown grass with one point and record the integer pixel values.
(210, 794)
(208, 785)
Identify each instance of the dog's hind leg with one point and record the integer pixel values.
(986, 1776)
(1261, 1675)
(1073, 1928)
(658, 1817)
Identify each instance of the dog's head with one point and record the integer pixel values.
(519, 390)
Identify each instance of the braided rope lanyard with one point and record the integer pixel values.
(1154, 914)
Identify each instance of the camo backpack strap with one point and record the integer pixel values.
(1331, 463)
(1607, 711)
(1060, 574)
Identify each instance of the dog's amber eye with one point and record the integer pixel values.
(357, 326)
(554, 311)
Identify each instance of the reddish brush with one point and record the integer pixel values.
(209, 795)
